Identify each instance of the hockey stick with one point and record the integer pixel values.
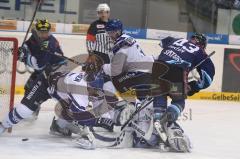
(66, 58)
(208, 56)
(34, 33)
(30, 25)
(31, 22)
(145, 134)
(143, 105)
(25, 37)
(194, 76)
(119, 141)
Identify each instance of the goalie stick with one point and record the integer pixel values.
(119, 141)
(144, 104)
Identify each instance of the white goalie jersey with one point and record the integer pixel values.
(74, 90)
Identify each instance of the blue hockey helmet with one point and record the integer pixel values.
(114, 25)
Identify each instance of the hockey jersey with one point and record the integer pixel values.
(128, 57)
(44, 54)
(183, 53)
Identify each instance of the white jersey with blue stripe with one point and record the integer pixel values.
(73, 88)
(128, 57)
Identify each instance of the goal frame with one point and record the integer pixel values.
(14, 68)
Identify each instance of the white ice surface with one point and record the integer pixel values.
(214, 131)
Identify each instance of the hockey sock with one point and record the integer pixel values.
(19, 112)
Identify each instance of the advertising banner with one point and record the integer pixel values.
(80, 28)
(231, 70)
(8, 25)
(136, 33)
(160, 34)
(234, 39)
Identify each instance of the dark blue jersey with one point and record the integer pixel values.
(43, 51)
(183, 53)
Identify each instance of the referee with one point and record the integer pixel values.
(97, 40)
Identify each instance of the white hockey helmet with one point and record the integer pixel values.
(103, 7)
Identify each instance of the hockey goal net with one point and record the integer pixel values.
(8, 60)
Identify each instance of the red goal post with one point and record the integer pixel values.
(8, 64)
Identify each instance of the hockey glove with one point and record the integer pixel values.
(23, 53)
(194, 88)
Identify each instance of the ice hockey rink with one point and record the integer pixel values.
(213, 127)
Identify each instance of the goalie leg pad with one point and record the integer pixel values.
(178, 141)
(85, 139)
(123, 114)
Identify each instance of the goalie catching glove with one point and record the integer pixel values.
(92, 67)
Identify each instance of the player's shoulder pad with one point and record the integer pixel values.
(123, 42)
(167, 41)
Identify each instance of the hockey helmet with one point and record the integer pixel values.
(43, 25)
(200, 40)
(103, 7)
(114, 25)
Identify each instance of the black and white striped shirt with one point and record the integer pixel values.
(98, 41)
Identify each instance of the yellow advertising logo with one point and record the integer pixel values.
(80, 28)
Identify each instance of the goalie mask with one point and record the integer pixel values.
(92, 67)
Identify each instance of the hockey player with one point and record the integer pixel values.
(38, 53)
(78, 102)
(129, 61)
(185, 54)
